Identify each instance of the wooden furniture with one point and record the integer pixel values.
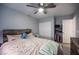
(74, 46)
(14, 32)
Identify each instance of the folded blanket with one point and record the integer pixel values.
(50, 48)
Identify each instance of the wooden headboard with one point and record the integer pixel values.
(14, 32)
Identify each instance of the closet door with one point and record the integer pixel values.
(45, 29)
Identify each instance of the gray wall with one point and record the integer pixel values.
(12, 19)
(59, 20)
(77, 22)
(46, 27)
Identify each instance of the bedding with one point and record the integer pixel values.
(31, 46)
(50, 48)
(14, 32)
(13, 37)
(31, 35)
(23, 36)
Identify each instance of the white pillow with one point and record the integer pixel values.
(30, 35)
(13, 37)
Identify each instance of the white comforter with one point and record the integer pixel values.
(30, 46)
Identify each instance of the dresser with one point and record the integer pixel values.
(74, 46)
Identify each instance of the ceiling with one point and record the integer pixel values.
(60, 10)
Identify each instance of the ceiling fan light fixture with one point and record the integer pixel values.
(40, 9)
(41, 4)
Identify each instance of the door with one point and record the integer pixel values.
(68, 30)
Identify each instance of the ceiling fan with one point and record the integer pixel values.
(41, 7)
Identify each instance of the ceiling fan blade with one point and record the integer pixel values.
(51, 5)
(31, 6)
(35, 12)
(45, 12)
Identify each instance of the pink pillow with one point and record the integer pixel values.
(13, 37)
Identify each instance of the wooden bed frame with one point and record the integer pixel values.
(14, 32)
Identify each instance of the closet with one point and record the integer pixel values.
(58, 29)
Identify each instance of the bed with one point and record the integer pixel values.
(29, 46)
